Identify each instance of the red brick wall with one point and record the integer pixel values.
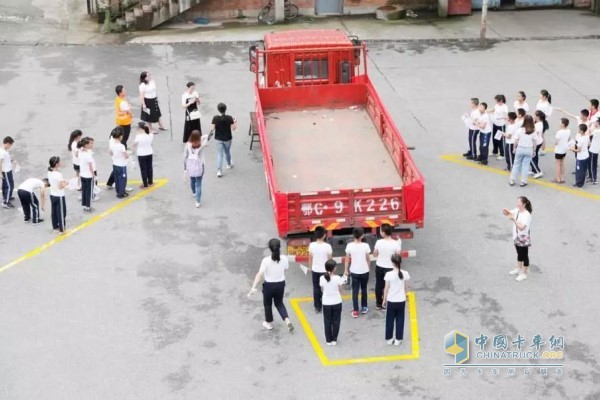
(582, 3)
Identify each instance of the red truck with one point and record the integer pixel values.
(332, 153)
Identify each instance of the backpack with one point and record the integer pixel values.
(193, 166)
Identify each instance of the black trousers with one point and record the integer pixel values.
(111, 179)
(87, 188)
(332, 316)
(359, 281)
(535, 166)
(498, 144)
(473, 142)
(273, 293)
(126, 133)
(317, 291)
(593, 166)
(8, 185)
(59, 212)
(580, 170)
(30, 204)
(394, 318)
(484, 146)
(509, 155)
(146, 169)
(380, 284)
(523, 255)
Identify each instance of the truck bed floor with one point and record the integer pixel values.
(328, 149)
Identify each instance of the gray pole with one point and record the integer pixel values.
(484, 9)
(279, 10)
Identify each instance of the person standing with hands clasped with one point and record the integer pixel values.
(190, 100)
(396, 287)
(86, 174)
(143, 148)
(223, 125)
(119, 157)
(357, 262)
(521, 219)
(57, 195)
(319, 252)
(149, 102)
(29, 201)
(332, 302)
(580, 147)
(272, 269)
(385, 248)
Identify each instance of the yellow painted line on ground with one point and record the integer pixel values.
(142, 193)
(414, 331)
(458, 159)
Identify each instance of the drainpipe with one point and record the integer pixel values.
(279, 10)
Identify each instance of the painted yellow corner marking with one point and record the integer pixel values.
(157, 184)
(458, 159)
(310, 334)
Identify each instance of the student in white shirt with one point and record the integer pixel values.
(521, 220)
(74, 138)
(272, 269)
(357, 262)
(385, 248)
(119, 158)
(8, 182)
(149, 102)
(594, 150)
(541, 126)
(562, 138)
(86, 174)
(485, 134)
(509, 139)
(499, 115)
(582, 118)
(580, 147)
(319, 252)
(57, 195)
(520, 102)
(470, 120)
(332, 302)
(544, 104)
(29, 199)
(143, 148)
(524, 150)
(396, 287)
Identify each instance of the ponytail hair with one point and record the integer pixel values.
(329, 267)
(397, 261)
(547, 95)
(53, 162)
(500, 97)
(74, 135)
(542, 117)
(526, 203)
(275, 247)
(83, 142)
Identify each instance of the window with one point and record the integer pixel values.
(311, 69)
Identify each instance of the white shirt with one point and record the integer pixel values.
(487, 121)
(186, 96)
(595, 146)
(539, 129)
(500, 114)
(525, 140)
(331, 290)
(320, 252)
(523, 217)
(144, 144)
(583, 141)
(524, 106)
(396, 293)
(386, 248)
(358, 254)
(511, 131)
(562, 139)
(473, 116)
(274, 271)
(5, 157)
(545, 107)
(55, 178)
(74, 152)
(32, 184)
(85, 159)
(148, 89)
(119, 155)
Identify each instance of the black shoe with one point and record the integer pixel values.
(483, 162)
(468, 153)
(39, 221)
(7, 205)
(478, 158)
(469, 157)
(317, 311)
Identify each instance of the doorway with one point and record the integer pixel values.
(329, 7)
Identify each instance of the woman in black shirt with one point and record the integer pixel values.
(223, 125)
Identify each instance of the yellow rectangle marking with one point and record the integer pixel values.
(312, 338)
(157, 184)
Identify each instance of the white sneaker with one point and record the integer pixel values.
(267, 326)
(521, 277)
(390, 342)
(530, 173)
(538, 175)
(128, 189)
(542, 152)
(334, 343)
(515, 271)
(96, 198)
(231, 166)
(329, 344)
(397, 342)
(197, 205)
(499, 158)
(219, 173)
(79, 197)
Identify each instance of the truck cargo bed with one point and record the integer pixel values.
(328, 149)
